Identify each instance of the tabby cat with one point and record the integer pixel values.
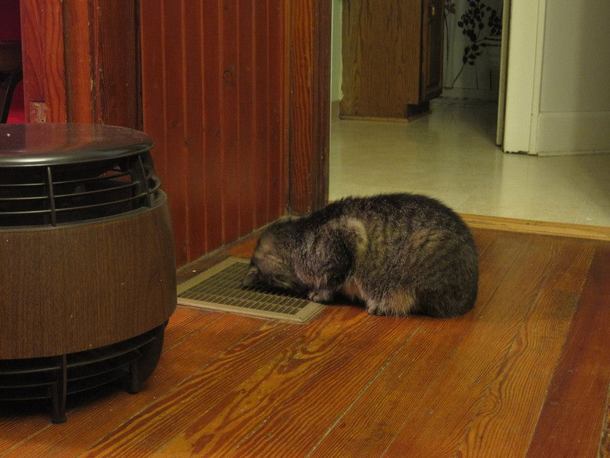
(399, 254)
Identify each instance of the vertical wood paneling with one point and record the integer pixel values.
(260, 115)
(213, 96)
(116, 75)
(278, 92)
(230, 120)
(102, 61)
(194, 125)
(309, 104)
(79, 62)
(247, 100)
(176, 152)
(212, 173)
(43, 60)
(153, 81)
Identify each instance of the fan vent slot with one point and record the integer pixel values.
(54, 195)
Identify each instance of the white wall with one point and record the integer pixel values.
(574, 111)
(480, 80)
(558, 95)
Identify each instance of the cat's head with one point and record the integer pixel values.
(271, 264)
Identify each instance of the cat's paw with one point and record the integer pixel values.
(320, 296)
(374, 309)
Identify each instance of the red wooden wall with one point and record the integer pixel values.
(81, 61)
(44, 73)
(214, 99)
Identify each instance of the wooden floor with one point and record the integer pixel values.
(526, 372)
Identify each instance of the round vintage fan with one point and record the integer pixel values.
(87, 269)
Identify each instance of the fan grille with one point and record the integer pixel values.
(58, 194)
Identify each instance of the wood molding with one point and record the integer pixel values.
(79, 65)
(117, 62)
(309, 33)
(537, 227)
(102, 61)
(81, 61)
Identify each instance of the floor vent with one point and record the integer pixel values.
(219, 288)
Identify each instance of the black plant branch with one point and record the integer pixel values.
(472, 22)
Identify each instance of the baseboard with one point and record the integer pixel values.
(573, 133)
(372, 119)
(537, 227)
(469, 93)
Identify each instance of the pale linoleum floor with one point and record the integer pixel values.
(450, 155)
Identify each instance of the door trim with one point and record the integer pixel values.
(523, 75)
(309, 41)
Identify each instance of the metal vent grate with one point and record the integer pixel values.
(52, 195)
(219, 288)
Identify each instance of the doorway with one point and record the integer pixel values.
(408, 80)
(450, 152)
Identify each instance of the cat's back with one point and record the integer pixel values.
(405, 212)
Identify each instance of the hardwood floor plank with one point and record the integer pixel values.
(21, 422)
(484, 239)
(571, 420)
(490, 400)
(193, 321)
(370, 426)
(527, 371)
(317, 378)
(181, 360)
(461, 386)
(507, 416)
(233, 371)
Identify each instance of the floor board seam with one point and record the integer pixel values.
(555, 250)
(254, 430)
(364, 389)
(182, 382)
(530, 240)
(563, 350)
(211, 318)
(78, 408)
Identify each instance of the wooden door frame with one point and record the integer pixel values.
(309, 44)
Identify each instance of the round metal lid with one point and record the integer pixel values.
(54, 144)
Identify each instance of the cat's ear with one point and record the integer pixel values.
(356, 229)
(353, 233)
